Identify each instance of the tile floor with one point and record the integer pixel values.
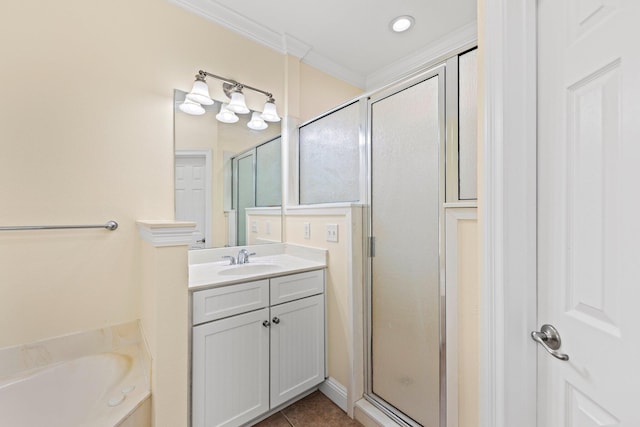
(315, 410)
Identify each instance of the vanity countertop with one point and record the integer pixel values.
(212, 274)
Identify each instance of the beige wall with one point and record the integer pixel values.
(320, 92)
(86, 137)
(337, 281)
(468, 324)
(86, 134)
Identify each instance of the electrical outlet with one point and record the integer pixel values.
(307, 230)
(332, 232)
(254, 226)
(267, 227)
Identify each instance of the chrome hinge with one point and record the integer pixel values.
(372, 246)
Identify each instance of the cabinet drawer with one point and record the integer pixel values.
(295, 286)
(229, 300)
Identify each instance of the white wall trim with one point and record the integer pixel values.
(234, 21)
(166, 233)
(335, 391)
(508, 214)
(324, 210)
(265, 211)
(283, 43)
(439, 50)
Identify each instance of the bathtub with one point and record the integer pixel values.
(97, 390)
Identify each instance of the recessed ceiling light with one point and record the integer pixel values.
(402, 23)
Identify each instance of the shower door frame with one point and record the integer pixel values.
(387, 408)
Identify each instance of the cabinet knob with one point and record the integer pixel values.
(266, 324)
(275, 320)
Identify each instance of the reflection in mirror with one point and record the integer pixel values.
(206, 189)
(257, 193)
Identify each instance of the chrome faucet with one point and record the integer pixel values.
(243, 256)
(232, 259)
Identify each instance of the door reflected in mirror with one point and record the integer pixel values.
(227, 178)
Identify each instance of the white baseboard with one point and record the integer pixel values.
(335, 391)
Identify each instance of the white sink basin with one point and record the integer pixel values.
(248, 269)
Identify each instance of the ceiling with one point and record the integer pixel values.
(349, 39)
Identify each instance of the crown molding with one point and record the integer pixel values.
(463, 37)
(234, 21)
(283, 43)
(294, 46)
(328, 66)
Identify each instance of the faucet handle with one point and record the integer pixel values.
(232, 259)
(246, 257)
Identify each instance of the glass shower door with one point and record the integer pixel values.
(244, 194)
(406, 321)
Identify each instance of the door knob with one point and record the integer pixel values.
(275, 320)
(266, 324)
(201, 240)
(549, 338)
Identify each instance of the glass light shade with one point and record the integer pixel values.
(200, 93)
(256, 122)
(269, 112)
(237, 104)
(225, 115)
(191, 107)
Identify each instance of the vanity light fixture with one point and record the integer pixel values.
(190, 107)
(402, 23)
(225, 115)
(200, 92)
(237, 104)
(257, 122)
(269, 112)
(199, 96)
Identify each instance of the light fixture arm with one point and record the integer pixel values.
(236, 84)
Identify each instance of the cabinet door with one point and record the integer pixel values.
(297, 348)
(230, 370)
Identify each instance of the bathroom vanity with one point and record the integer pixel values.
(258, 336)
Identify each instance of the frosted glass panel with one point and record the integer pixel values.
(468, 131)
(245, 195)
(329, 158)
(405, 141)
(268, 176)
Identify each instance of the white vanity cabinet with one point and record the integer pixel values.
(255, 346)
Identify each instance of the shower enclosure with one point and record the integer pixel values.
(406, 352)
(407, 153)
(422, 161)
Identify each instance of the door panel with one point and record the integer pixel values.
(406, 132)
(191, 189)
(588, 256)
(297, 348)
(230, 370)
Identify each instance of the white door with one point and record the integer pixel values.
(588, 200)
(191, 193)
(230, 370)
(297, 348)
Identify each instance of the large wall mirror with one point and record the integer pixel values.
(227, 178)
